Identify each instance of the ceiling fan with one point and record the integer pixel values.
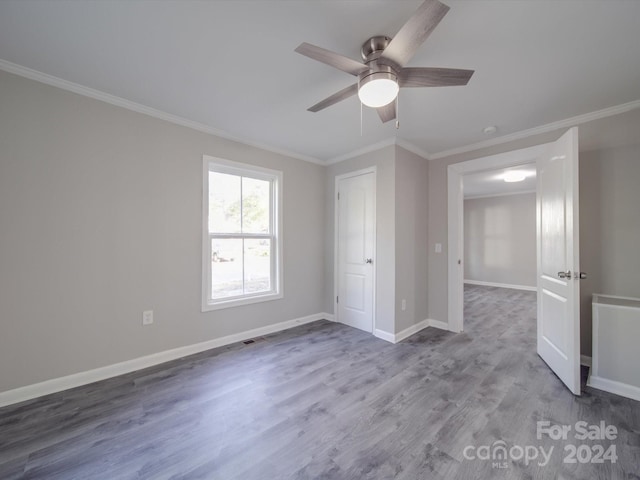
(383, 72)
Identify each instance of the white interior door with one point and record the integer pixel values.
(558, 260)
(356, 230)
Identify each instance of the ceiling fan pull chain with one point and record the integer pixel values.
(360, 107)
(397, 113)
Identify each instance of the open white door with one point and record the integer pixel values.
(356, 245)
(558, 260)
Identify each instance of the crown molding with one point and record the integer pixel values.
(407, 145)
(177, 120)
(400, 142)
(139, 108)
(361, 151)
(549, 127)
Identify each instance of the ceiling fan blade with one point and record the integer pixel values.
(330, 58)
(387, 112)
(413, 34)
(433, 77)
(335, 98)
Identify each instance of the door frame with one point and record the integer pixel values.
(336, 241)
(455, 219)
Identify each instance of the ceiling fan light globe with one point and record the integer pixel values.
(378, 92)
(511, 177)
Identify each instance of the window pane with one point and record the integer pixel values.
(257, 265)
(226, 268)
(224, 203)
(255, 205)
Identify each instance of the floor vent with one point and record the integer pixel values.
(254, 340)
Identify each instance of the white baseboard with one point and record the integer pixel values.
(329, 316)
(501, 285)
(412, 330)
(585, 360)
(83, 378)
(389, 337)
(611, 386)
(439, 324)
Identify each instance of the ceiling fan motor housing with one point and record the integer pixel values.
(373, 48)
(371, 51)
(377, 72)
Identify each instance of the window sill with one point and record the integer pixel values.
(208, 307)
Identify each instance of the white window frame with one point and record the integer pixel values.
(252, 171)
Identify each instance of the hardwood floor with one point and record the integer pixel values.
(325, 401)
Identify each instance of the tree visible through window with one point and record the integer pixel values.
(242, 223)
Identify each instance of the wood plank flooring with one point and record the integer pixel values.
(325, 401)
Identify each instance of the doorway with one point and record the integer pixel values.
(557, 245)
(355, 224)
(499, 229)
(456, 174)
(499, 257)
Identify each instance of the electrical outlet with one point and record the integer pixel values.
(438, 248)
(404, 304)
(147, 317)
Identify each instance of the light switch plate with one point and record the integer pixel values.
(147, 317)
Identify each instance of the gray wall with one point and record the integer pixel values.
(100, 219)
(384, 261)
(500, 239)
(609, 227)
(412, 178)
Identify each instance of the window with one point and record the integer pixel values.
(242, 226)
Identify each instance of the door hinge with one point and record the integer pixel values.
(338, 195)
(337, 299)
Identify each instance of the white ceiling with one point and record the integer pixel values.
(491, 183)
(231, 65)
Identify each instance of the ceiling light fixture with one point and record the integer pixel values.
(378, 89)
(514, 176)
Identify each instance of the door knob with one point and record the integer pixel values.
(579, 275)
(566, 274)
(369, 260)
